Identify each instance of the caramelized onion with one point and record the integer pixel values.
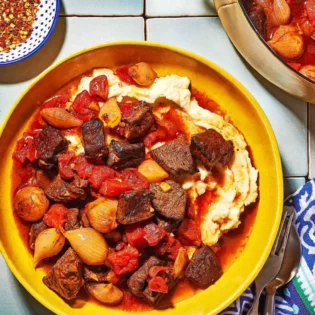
(280, 13)
(30, 203)
(282, 30)
(106, 293)
(142, 74)
(89, 244)
(48, 244)
(101, 214)
(60, 118)
(287, 42)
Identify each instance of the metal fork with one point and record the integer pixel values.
(274, 262)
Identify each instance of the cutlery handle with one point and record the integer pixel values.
(270, 304)
(254, 309)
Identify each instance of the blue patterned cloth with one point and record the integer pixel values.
(298, 296)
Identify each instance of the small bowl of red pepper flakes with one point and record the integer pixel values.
(25, 25)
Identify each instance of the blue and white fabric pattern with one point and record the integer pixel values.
(298, 296)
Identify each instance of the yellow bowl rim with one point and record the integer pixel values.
(244, 91)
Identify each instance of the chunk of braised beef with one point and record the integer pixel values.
(122, 154)
(44, 178)
(168, 248)
(134, 206)
(211, 148)
(167, 225)
(204, 268)
(64, 192)
(139, 121)
(94, 140)
(151, 285)
(36, 228)
(154, 297)
(65, 277)
(172, 204)
(175, 157)
(95, 273)
(49, 143)
(138, 281)
(72, 221)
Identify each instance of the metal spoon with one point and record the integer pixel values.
(289, 268)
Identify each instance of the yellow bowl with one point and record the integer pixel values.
(233, 98)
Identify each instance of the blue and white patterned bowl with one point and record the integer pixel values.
(45, 22)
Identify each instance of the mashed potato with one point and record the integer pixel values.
(239, 187)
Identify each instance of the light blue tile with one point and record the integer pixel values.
(312, 141)
(14, 299)
(291, 185)
(71, 34)
(288, 116)
(179, 7)
(102, 7)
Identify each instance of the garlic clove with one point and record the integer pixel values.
(48, 244)
(152, 171)
(89, 244)
(106, 293)
(180, 263)
(110, 113)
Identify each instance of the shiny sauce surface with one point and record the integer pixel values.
(230, 245)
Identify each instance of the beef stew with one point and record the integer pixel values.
(133, 224)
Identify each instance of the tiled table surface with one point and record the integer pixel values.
(190, 24)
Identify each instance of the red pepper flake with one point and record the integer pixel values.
(16, 22)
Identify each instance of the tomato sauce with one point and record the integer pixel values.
(205, 102)
(231, 244)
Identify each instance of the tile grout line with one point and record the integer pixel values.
(181, 16)
(135, 15)
(100, 15)
(145, 19)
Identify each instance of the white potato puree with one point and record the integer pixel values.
(239, 187)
